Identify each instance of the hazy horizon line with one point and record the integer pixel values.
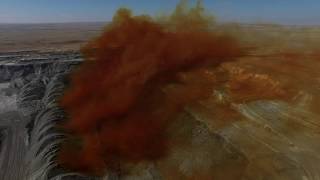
(219, 22)
(57, 22)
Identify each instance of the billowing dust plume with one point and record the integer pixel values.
(136, 78)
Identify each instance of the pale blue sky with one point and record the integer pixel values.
(248, 11)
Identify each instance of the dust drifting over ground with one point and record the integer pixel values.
(137, 77)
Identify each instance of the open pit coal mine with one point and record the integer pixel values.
(259, 146)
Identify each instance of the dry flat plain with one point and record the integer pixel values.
(262, 122)
(68, 36)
